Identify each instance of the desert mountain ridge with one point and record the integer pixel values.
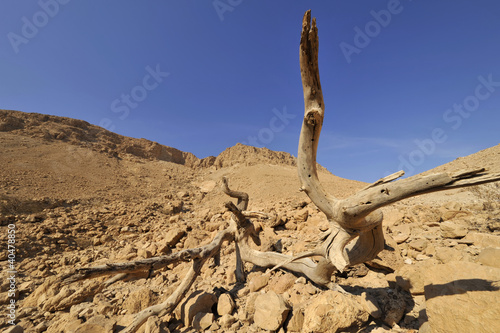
(81, 133)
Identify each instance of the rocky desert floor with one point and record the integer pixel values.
(79, 196)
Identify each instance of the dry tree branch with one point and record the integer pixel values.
(355, 222)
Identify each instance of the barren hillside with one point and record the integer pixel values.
(81, 196)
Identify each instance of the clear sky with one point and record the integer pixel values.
(407, 84)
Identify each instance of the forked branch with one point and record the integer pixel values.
(355, 222)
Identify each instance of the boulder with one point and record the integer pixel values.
(296, 321)
(225, 305)
(258, 282)
(453, 230)
(271, 311)
(389, 259)
(490, 257)
(173, 236)
(332, 311)
(203, 321)
(463, 297)
(483, 240)
(139, 300)
(412, 277)
(155, 325)
(198, 301)
(97, 324)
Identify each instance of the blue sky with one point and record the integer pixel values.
(407, 84)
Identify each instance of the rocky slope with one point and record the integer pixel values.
(88, 197)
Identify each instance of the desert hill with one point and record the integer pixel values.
(81, 196)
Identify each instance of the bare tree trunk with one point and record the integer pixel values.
(355, 223)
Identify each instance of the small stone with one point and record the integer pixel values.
(282, 283)
(225, 305)
(198, 301)
(296, 321)
(173, 236)
(301, 215)
(371, 305)
(226, 321)
(203, 320)
(139, 300)
(271, 311)
(332, 311)
(42, 327)
(490, 257)
(421, 257)
(182, 194)
(144, 253)
(14, 329)
(301, 280)
(97, 324)
(452, 230)
(418, 244)
(258, 282)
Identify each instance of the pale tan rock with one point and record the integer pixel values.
(418, 244)
(226, 321)
(448, 254)
(64, 323)
(370, 305)
(173, 236)
(77, 309)
(203, 321)
(490, 257)
(144, 253)
(247, 314)
(225, 304)
(390, 258)
(301, 215)
(198, 301)
(461, 297)
(451, 229)
(400, 233)
(483, 240)
(97, 324)
(296, 320)
(51, 296)
(14, 329)
(412, 277)
(271, 311)
(332, 311)
(258, 282)
(139, 300)
(155, 325)
(282, 283)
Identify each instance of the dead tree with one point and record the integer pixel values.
(355, 234)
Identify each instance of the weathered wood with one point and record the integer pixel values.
(241, 196)
(149, 263)
(356, 234)
(313, 117)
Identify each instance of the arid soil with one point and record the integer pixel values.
(78, 196)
